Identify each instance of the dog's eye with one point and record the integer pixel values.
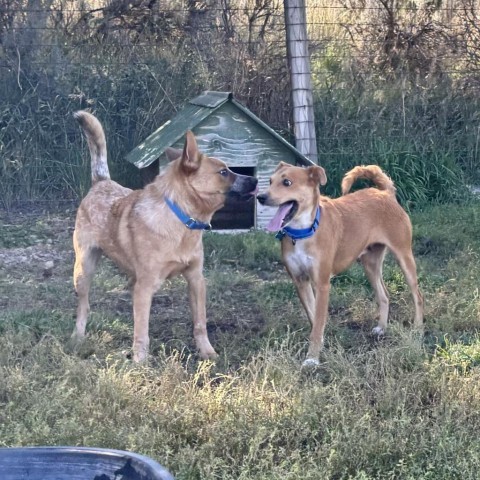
(223, 172)
(287, 182)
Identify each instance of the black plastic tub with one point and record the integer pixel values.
(77, 463)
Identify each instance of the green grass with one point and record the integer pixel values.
(403, 407)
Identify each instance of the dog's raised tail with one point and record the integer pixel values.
(97, 144)
(369, 172)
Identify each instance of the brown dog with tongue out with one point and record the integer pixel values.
(322, 237)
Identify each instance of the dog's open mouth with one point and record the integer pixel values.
(286, 211)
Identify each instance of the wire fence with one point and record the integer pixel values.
(392, 80)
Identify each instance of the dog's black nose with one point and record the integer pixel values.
(262, 198)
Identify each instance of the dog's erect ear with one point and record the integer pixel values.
(173, 153)
(190, 155)
(317, 174)
(281, 165)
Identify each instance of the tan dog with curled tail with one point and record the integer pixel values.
(322, 237)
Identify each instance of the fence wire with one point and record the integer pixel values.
(392, 80)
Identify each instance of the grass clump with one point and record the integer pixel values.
(386, 413)
(252, 250)
(402, 407)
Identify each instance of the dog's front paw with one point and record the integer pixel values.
(209, 355)
(378, 331)
(310, 363)
(80, 345)
(76, 340)
(77, 336)
(140, 356)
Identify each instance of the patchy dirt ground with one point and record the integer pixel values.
(35, 242)
(36, 263)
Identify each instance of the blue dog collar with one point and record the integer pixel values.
(188, 221)
(300, 233)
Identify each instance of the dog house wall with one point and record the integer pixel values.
(226, 130)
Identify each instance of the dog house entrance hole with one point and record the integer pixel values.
(236, 213)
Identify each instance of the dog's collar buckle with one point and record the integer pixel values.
(193, 224)
(188, 221)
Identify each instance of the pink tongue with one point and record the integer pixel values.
(275, 223)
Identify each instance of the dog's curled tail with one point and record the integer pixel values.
(97, 144)
(369, 172)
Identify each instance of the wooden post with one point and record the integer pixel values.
(300, 78)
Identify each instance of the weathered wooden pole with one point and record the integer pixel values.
(300, 78)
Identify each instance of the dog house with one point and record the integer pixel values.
(225, 129)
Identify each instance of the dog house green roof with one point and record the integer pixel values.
(225, 129)
(221, 123)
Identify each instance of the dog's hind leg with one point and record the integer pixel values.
(408, 266)
(372, 261)
(85, 264)
(197, 297)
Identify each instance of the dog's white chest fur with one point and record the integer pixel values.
(298, 261)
